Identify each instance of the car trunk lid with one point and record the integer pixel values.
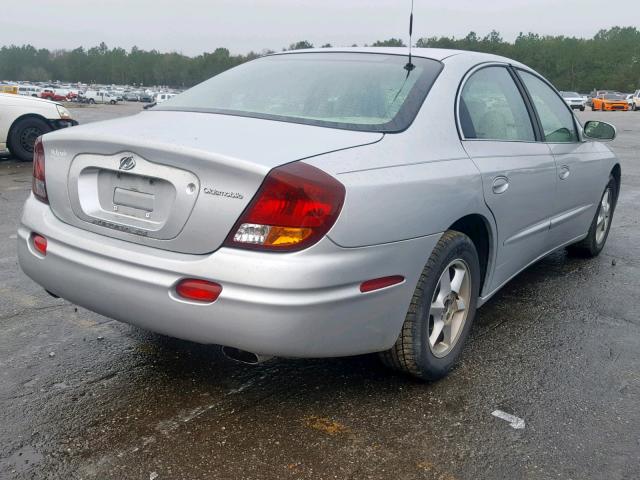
(174, 180)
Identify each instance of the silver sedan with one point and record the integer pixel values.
(321, 203)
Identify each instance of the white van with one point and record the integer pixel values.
(100, 96)
(29, 90)
(161, 97)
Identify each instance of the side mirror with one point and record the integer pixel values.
(594, 130)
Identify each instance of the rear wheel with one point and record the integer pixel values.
(23, 135)
(91, 100)
(441, 312)
(593, 243)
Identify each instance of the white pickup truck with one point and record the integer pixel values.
(100, 96)
(23, 119)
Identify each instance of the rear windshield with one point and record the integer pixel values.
(355, 91)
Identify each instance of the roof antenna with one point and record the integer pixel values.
(410, 66)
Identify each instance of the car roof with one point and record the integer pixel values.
(439, 54)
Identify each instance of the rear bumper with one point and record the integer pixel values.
(303, 304)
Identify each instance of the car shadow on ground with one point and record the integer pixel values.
(208, 363)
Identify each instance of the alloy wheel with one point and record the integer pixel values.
(449, 308)
(604, 216)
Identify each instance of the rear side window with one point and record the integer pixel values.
(491, 108)
(556, 118)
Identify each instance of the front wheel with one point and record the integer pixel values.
(23, 134)
(593, 243)
(441, 312)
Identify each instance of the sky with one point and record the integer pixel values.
(195, 26)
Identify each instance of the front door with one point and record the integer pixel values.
(579, 165)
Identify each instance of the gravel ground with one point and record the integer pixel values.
(86, 397)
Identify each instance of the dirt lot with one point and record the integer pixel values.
(86, 397)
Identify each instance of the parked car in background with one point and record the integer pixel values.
(161, 97)
(609, 102)
(23, 119)
(51, 94)
(146, 97)
(13, 89)
(588, 99)
(574, 100)
(131, 97)
(290, 206)
(629, 98)
(29, 90)
(636, 100)
(99, 96)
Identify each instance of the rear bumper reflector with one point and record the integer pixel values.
(378, 283)
(198, 290)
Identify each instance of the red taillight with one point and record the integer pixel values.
(39, 243)
(378, 283)
(296, 205)
(198, 290)
(39, 184)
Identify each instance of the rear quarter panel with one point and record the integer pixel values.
(410, 184)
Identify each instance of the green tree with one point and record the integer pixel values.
(391, 42)
(300, 45)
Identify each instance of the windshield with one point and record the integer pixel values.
(612, 96)
(569, 94)
(356, 91)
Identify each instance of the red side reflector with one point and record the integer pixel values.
(39, 243)
(198, 290)
(378, 283)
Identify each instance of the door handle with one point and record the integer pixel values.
(565, 171)
(500, 184)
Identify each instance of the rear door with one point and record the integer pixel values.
(579, 165)
(518, 172)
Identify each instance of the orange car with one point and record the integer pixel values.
(609, 102)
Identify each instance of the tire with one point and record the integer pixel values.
(23, 135)
(413, 352)
(593, 109)
(594, 242)
(112, 102)
(92, 101)
(582, 109)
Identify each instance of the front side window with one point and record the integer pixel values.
(556, 118)
(355, 91)
(491, 108)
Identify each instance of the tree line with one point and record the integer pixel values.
(611, 59)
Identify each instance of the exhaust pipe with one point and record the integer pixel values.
(243, 356)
